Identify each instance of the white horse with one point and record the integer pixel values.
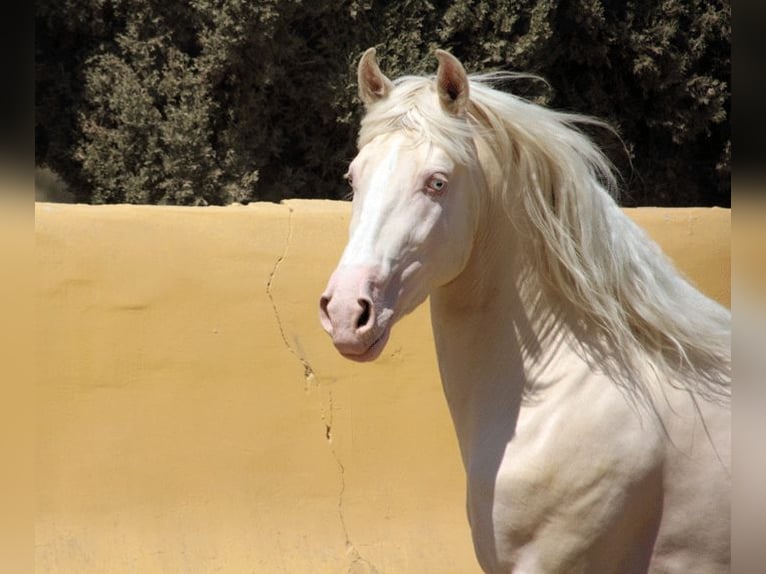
(588, 382)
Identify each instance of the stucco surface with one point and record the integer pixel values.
(192, 416)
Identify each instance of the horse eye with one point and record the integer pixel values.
(436, 185)
(349, 179)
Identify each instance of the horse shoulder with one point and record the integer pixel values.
(579, 487)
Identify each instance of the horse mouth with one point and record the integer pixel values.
(373, 351)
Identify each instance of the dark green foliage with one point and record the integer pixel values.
(213, 101)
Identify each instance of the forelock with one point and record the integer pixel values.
(413, 107)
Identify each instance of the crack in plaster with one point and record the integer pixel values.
(308, 372)
(310, 379)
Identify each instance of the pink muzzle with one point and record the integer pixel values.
(347, 312)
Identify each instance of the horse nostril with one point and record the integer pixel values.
(324, 315)
(366, 314)
(323, 302)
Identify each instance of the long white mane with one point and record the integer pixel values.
(635, 309)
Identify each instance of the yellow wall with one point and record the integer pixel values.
(193, 416)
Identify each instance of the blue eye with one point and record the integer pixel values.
(436, 185)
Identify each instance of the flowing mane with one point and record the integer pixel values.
(557, 187)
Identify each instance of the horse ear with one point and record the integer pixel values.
(373, 85)
(451, 83)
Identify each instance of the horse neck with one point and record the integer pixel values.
(480, 322)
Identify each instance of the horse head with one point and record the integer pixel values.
(414, 205)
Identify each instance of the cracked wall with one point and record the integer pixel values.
(192, 415)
